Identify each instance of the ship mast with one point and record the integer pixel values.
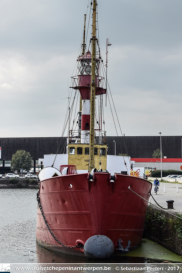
(84, 45)
(83, 52)
(92, 93)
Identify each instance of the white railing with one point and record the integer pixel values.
(75, 136)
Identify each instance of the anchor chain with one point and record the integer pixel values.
(43, 215)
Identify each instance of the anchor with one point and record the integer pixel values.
(120, 247)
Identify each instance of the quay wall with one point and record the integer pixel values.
(164, 228)
(19, 183)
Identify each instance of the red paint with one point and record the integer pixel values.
(85, 80)
(84, 86)
(87, 55)
(71, 169)
(85, 92)
(167, 160)
(89, 208)
(85, 123)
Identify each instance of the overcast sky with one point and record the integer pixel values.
(39, 45)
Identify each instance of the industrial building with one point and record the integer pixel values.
(134, 146)
(155, 163)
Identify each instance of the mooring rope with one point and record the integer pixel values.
(158, 203)
(153, 204)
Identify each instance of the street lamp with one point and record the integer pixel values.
(115, 146)
(160, 133)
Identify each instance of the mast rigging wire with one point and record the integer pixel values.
(65, 127)
(112, 115)
(75, 115)
(80, 47)
(111, 107)
(109, 89)
(111, 101)
(89, 21)
(118, 119)
(115, 108)
(115, 125)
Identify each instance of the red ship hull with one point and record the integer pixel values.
(76, 209)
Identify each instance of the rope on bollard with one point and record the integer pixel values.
(165, 209)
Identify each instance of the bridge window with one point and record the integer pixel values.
(72, 151)
(86, 151)
(102, 151)
(95, 151)
(79, 151)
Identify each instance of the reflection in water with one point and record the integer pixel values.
(18, 233)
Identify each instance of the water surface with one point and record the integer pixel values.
(18, 208)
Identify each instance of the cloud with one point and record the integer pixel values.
(40, 43)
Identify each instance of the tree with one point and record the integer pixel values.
(157, 153)
(21, 160)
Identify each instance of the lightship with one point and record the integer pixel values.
(93, 213)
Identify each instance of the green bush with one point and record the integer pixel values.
(27, 181)
(164, 173)
(13, 181)
(33, 182)
(19, 185)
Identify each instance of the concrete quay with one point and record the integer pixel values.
(168, 191)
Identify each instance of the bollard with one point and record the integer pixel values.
(170, 204)
(164, 188)
(177, 188)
